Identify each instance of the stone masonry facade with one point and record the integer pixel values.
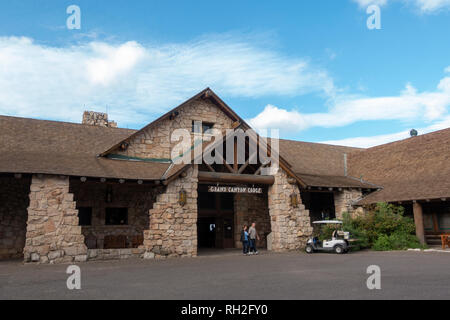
(169, 228)
(155, 143)
(291, 227)
(53, 234)
(13, 216)
(99, 119)
(173, 227)
(343, 202)
(249, 208)
(138, 199)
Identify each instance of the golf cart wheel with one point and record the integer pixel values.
(309, 249)
(339, 249)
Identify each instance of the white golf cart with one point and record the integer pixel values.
(339, 242)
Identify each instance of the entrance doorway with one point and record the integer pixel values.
(320, 205)
(215, 226)
(14, 201)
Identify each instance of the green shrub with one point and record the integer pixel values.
(383, 228)
(403, 241)
(326, 231)
(383, 243)
(357, 231)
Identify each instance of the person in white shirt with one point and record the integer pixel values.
(253, 235)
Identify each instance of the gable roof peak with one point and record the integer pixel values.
(206, 93)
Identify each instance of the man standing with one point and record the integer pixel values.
(253, 235)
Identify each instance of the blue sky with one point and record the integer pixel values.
(310, 68)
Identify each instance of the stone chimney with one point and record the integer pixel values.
(99, 119)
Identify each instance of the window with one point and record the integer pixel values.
(116, 216)
(201, 127)
(85, 216)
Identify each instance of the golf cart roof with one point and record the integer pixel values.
(328, 222)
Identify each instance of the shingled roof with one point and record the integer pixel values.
(49, 147)
(413, 169)
(417, 168)
(321, 165)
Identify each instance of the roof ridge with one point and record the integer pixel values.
(323, 144)
(57, 122)
(432, 133)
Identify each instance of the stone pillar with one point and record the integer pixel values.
(53, 234)
(418, 220)
(249, 208)
(173, 228)
(343, 202)
(291, 227)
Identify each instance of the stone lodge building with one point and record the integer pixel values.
(76, 192)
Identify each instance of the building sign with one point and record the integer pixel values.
(250, 190)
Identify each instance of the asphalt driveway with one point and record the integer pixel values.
(404, 275)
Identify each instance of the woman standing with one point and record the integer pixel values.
(244, 239)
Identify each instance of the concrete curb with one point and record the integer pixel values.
(429, 250)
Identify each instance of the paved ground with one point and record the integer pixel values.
(405, 275)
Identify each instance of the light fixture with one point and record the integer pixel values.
(182, 197)
(124, 146)
(173, 115)
(294, 200)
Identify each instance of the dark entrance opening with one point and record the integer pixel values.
(14, 202)
(215, 226)
(206, 232)
(320, 205)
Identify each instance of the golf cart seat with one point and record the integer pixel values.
(316, 241)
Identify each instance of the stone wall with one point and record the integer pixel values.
(250, 208)
(343, 202)
(137, 198)
(173, 228)
(154, 143)
(13, 216)
(114, 254)
(53, 234)
(291, 227)
(97, 119)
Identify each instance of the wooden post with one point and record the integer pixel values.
(418, 220)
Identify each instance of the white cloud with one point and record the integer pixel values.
(424, 6)
(367, 142)
(113, 62)
(428, 6)
(409, 105)
(137, 82)
(366, 3)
